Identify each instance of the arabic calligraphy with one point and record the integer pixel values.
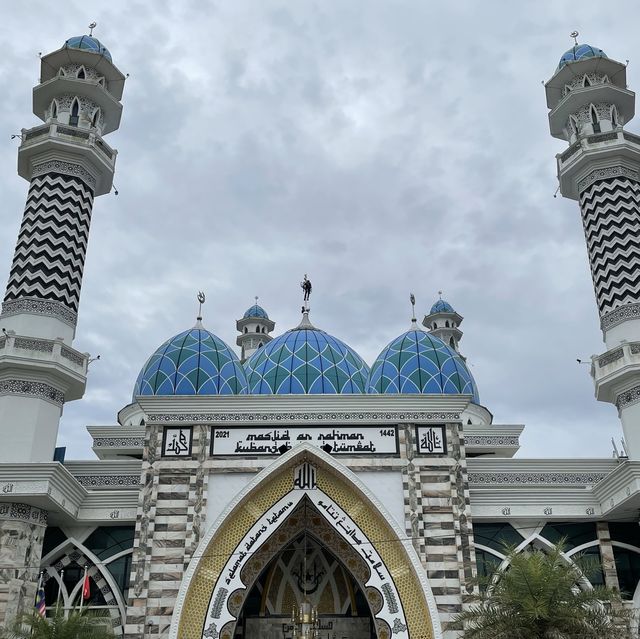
(431, 440)
(177, 442)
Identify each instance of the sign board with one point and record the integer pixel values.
(431, 440)
(338, 440)
(176, 441)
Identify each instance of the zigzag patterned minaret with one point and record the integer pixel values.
(590, 104)
(67, 164)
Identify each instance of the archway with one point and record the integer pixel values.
(211, 596)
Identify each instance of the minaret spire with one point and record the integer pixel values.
(589, 105)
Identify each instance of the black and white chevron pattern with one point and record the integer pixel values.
(52, 243)
(611, 219)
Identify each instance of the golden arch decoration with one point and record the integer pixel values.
(271, 487)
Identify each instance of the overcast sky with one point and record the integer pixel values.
(381, 147)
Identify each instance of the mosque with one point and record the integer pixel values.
(292, 490)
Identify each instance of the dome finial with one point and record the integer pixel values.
(305, 285)
(92, 26)
(414, 321)
(574, 35)
(201, 301)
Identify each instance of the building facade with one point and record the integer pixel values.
(297, 489)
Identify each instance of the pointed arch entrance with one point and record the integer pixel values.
(219, 577)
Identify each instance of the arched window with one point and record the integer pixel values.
(260, 345)
(574, 124)
(257, 329)
(81, 75)
(75, 110)
(595, 123)
(446, 324)
(246, 330)
(95, 118)
(54, 109)
(264, 330)
(614, 116)
(435, 325)
(585, 82)
(452, 342)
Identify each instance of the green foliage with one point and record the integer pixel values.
(79, 625)
(538, 598)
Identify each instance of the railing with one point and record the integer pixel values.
(54, 130)
(53, 347)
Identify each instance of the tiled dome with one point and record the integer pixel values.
(306, 361)
(255, 311)
(88, 43)
(418, 362)
(194, 362)
(580, 52)
(442, 307)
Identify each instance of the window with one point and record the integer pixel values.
(614, 116)
(446, 324)
(487, 564)
(54, 109)
(575, 533)
(95, 118)
(574, 124)
(452, 342)
(594, 120)
(81, 75)
(110, 540)
(628, 568)
(260, 345)
(435, 325)
(75, 110)
(246, 330)
(264, 330)
(585, 82)
(257, 329)
(497, 536)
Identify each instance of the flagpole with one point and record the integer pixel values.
(84, 581)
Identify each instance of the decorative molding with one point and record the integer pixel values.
(535, 478)
(108, 481)
(491, 440)
(36, 306)
(609, 172)
(634, 347)
(610, 357)
(23, 512)
(619, 315)
(628, 397)
(72, 356)
(32, 344)
(119, 442)
(66, 168)
(310, 418)
(35, 389)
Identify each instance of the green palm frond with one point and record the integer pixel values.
(79, 625)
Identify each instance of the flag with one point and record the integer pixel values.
(86, 587)
(41, 605)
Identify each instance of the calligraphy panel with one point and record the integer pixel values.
(431, 440)
(337, 440)
(176, 441)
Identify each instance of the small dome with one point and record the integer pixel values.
(88, 43)
(418, 362)
(194, 362)
(580, 52)
(442, 307)
(255, 311)
(306, 361)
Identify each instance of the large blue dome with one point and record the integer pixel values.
(88, 43)
(255, 311)
(306, 361)
(418, 362)
(194, 362)
(580, 52)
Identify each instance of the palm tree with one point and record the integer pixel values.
(538, 598)
(78, 625)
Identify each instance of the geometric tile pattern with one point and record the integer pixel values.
(194, 362)
(306, 362)
(88, 43)
(52, 243)
(580, 52)
(417, 362)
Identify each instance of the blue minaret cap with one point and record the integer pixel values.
(88, 43)
(580, 52)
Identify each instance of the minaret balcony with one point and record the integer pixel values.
(55, 141)
(616, 370)
(50, 357)
(593, 152)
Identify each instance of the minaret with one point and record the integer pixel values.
(67, 164)
(443, 322)
(590, 105)
(254, 328)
